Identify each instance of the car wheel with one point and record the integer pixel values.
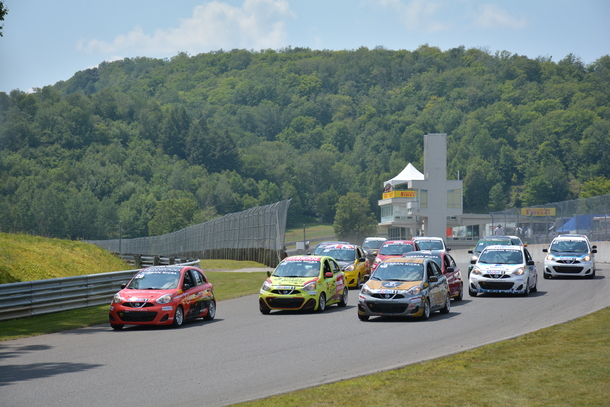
(321, 303)
(592, 275)
(447, 307)
(535, 287)
(426, 314)
(265, 311)
(211, 311)
(116, 327)
(460, 296)
(344, 297)
(358, 282)
(546, 276)
(363, 317)
(471, 292)
(179, 317)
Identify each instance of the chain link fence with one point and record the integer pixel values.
(541, 223)
(256, 234)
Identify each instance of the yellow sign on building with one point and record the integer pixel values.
(400, 194)
(538, 211)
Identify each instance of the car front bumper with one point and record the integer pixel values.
(376, 305)
(572, 267)
(507, 284)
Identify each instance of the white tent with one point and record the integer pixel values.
(409, 173)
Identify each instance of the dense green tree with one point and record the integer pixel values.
(354, 219)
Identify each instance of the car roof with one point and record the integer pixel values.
(369, 239)
(399, 241)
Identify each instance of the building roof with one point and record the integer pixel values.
(409, 173)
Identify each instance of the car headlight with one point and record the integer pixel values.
(587, 258)
(117, 298)
(164, 299)
(414, 290)
(519, 272)
(310, 286)
(365, 290)
(350, 268)
(476, 271)
(550, 257)
(266, 285)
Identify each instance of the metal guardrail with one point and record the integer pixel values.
(29, 298)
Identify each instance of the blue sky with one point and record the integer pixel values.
(47, 41)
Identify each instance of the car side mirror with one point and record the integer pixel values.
(594, 250)
(450, 269)
(328, 274)
(545, 250)
(470, 251)
(448, 249)
(433, 279)
(366, 277)
(362, 259)
(473, 262)
(186, 286)
(123, 285)
(268, 273)
(531, 262)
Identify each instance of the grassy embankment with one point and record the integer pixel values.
(564, 365)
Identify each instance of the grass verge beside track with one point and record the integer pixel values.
(564, 365)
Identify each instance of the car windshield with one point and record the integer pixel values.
(343, 254)
(372, 244)
(573, 246)
(298, 269)
(401, 271)
(483, 244)
(436, 258)
(501, 257)
(430, 244)
(396, 249)
(155, 280)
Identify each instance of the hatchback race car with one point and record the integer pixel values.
(403, 287)
(431, 243)
(393, 248)
(352, 261)
(304, 283)
(163, 295)
(483, 243)
(448, 267)
(503, 269)
(570, 255)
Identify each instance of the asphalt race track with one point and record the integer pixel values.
(244, 355)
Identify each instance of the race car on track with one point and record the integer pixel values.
(503, 269)
(352, 261)
(393, 248)
(163, 295)
(448, 267)
(402, 287)
(304, 283)
(570, 255)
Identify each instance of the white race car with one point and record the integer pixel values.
(570, 255)
(503, 269)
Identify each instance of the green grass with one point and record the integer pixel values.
(311, 233)
(564, 365)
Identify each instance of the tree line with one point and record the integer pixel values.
(146, 146)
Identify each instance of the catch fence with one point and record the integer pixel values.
(541, 223)
(256, 234)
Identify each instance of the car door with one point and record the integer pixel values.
(531, 269)
(453, 277)
(338, 280)
(194, 298)
(432, 270)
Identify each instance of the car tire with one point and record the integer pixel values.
(265, 311)
(546, 276)
(116, 327)
(535, 287)
(460, 295)
(321, 303)
(471, 292)
(447, 307)
(592, 275)
(426, 311)
(178, 317)
(211, 311)
(363, 317)
(358, 282)
(344, 298)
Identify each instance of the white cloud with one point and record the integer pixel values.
(492, 16)
(420, 15)
(258, 24)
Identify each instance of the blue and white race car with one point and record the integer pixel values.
(503, 269)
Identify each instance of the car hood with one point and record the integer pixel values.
(145, 295)
(391, 285)
(568, 254)
(499, 268)
(290, 281)
(343, 264)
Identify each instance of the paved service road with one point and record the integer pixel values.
(244, 355)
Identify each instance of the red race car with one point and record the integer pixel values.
(448, 267)
(393, 248)
(163, 295)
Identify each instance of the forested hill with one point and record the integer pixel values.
(150, 146)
